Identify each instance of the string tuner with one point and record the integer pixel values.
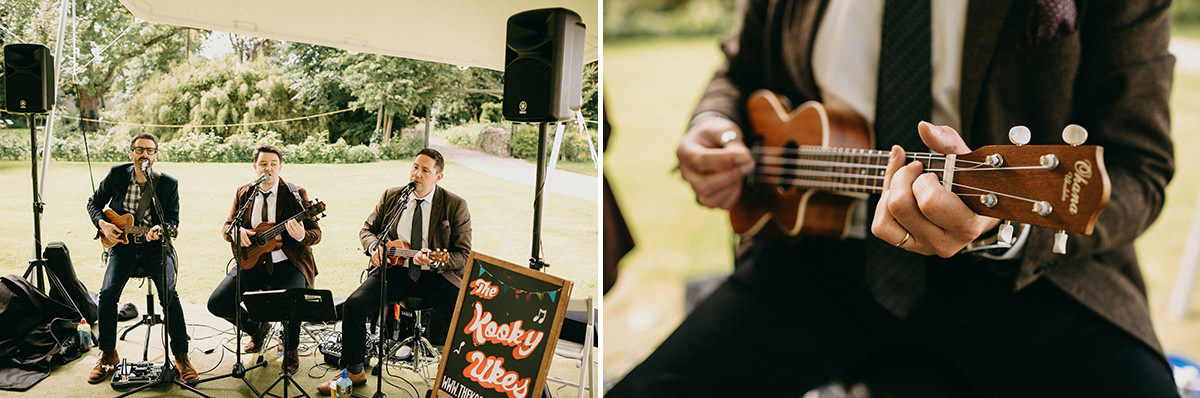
(1019, 135)
(1074, 134)
(1006, 234)
(1060, 242)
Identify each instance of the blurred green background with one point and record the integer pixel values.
(658, 54)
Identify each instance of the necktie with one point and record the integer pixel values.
(894, 276)
(418, 223)
(263, 208)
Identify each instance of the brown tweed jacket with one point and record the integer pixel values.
(449, 228)
(1111, 75)
(286, 206)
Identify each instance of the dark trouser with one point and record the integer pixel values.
(123, 259)
(795, 316)
(363, 304)
(223, 301)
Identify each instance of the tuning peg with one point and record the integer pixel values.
(1019, 135)
(1074, 134)
(1006, 234)
(1060, 242)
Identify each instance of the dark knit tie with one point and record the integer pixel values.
(896, 277)
(263, 217)
(415, 240)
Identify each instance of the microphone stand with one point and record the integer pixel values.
(239, 370)
(381, 241)
(166, 247)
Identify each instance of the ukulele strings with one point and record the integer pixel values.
(773, 167)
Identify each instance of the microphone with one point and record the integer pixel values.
(408, 189)
(145, 167)
(260, 179)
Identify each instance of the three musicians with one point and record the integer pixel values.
(276, 231)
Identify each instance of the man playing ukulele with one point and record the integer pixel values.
(433, 218)
(281, 258)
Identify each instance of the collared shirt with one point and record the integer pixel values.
(256, 215)
(404, 225)
(845, 64)
(133, 197)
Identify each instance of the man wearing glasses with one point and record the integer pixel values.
(126, 191)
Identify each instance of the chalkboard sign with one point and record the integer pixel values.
(503, 333)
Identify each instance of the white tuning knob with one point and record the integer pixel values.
(1074, 134)
(1019, 135)
(1006, 234)
(1060, 242)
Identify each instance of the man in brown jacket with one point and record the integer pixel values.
(433, 218)
(291, 265)
(905, 304)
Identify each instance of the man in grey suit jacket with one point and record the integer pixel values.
(1031, 323)
(433, 218)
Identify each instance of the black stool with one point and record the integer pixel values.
(424, 354)
(150, 318)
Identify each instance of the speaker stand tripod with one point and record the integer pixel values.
(37, 265)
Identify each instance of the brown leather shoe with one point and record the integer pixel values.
(187, 373)
(105, 367)
(256, 339)
(291, 361)
(357, 379)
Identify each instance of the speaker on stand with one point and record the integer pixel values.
(28, 78)
(543, 65)
(543, 83)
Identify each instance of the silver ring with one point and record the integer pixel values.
(905, 240)
(729, 136)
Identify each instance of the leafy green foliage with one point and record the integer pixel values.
(574, 146)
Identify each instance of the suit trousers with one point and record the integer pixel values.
(223, 301)
(123, 259)
(363, 304)
(794, 316)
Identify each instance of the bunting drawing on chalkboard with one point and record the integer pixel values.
(519, 293)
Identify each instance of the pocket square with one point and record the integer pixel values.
(1052, 20)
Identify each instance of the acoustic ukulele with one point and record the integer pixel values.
(263, 241)
(814, 164)
(399, 250)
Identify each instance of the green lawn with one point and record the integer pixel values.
(650, 89)
(502, 217)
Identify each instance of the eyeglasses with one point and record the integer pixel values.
(140, 150)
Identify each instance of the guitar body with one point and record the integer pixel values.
(397, 245)
(122, 221)
(125, 223)
(773, 210)
(253, 254)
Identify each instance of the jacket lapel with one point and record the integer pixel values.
(979, 43)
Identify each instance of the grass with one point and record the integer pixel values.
(651, 87)
(501, 219)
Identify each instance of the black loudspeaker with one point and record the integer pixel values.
(543, 65)
(28, 78)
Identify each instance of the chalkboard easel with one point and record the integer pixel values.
(503, 333)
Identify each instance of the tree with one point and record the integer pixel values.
(393, 86)
(104, 38)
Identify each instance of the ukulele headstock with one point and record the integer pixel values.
(1063, 187)
(314, 211)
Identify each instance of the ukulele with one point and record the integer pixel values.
(263, 241)
(814, 164)
(124, 222)
(398, 250)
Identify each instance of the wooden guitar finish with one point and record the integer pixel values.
(812, 164)
(125, 223)
(399, 250)
(263, 241)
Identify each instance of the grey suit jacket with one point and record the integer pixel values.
(449, 228)
(1112, 75)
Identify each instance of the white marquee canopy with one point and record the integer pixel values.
(459, 32)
